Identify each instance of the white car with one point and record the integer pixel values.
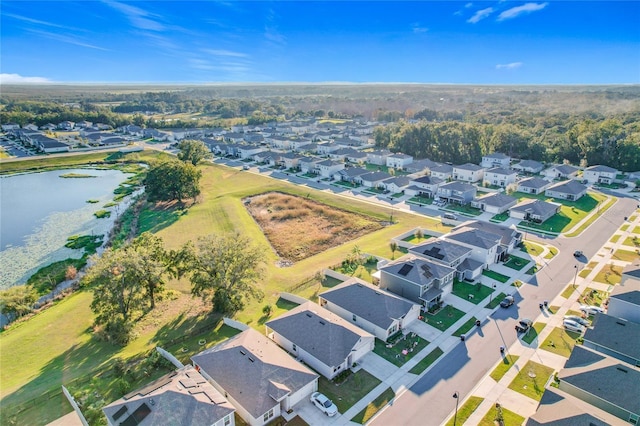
(573, 326)
(591, 309)
(325, 404)
(579, 320)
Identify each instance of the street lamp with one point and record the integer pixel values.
(455, 416)
(575, 276)
(491, 294)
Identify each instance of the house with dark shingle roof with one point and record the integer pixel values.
(624, 299)
(457, 192)
(468, 172)
(496, 159)
(615, 337)
(379, 158)
(398, 161)
(256, 375)
(561, 171)
(372, 179)
(442, 171)
(600, 174)
(449, 254)
(528, 166)
(500, 177)
(320, 338)
(533, 185)
(350, 174)
(380, 313)
(396, 184)
(534, 210)
(494, 203)
(183, 397)
(602, 381)
(425, 186)
(569, 190)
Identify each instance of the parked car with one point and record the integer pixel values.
(325, 404)
(450, 216)
(591, 309)
(523, 325)
(578, 253)
(507, 301)
(579, 320)
(571, 325)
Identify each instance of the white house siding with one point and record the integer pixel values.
(302, 394)
(232, 421)
(362, 348)
(517, 214)
(622, 309)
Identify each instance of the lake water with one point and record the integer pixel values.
(39, 211)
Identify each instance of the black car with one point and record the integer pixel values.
(507, 301)
(523, 325)
(578, 253)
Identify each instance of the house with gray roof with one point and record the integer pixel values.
(510, 237)
(424, 186)
(496, 159)
(600, 174)
(256, 375)
(468, 173)
(381, 313)
(490, 242)
(183, 397)
(615, 337)
(379, 158)
(442, 171)
(499, 176)
(562, 171)
(450, 254)
(494, 203)
(456, 192)
(249, 150)
(350, 174)
(533, 185)
(356, 157)
(534, 210)
(341, 154)
(605, 382)
(308, 164)
(399, 161)
(624, 300)
(420, 280)
(320, 338)
(290, 160)
(396, 184)
(569, 190)
(328, 168)
(372, 179)
(328, 147)
(420, 166)
(528, 166)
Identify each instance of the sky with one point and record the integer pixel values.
(497, 42)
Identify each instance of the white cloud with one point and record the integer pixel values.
(222, 52)
(67, 39)
(480, 15)
(519, 10)
(139, 18)
(17, 79)
(468, 5)
(510, 66)
(39, 22)
(419, 29)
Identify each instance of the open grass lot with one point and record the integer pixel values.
(533, 332)
(474, 293)
(495, 275)
(425, 362)
(508, 417)
(502, 368)
(413, 239)
(609, 274)
(560, 342)
(626, 255)
(466, 410)
(347, 393)
(445, 317)
(374, 406)
(531, 379)
(603, 207)
(394, 354)
(516, 262)
(220, 209)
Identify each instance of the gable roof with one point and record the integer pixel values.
(440, 251)
(496, 155)
(568, 187)
(601, 168)
(417, 270)
(497, 199)
(375, 176)
(628, 290)
(534, 182)
(529, 164)
(468, 166)
(248, 365)
(321, 333)
(368, 302)
(536, 207)
(399, 181)
(457, 186)
(180, 397)
(565, 169)
(442, 168)
(474, 237)
(632, 270)
(353, 171)
(614, 333)
(428, 180)
(502, 171)
(505, 233)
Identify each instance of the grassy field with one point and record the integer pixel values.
(609, 274)
(560, 341)
(626, 255)
(466, 410)
(602, 207)
(533, 332)
(532, 248)
(374, 406)
(502, 368)
(347, 393)
(425, 362)
(531, 379)
(508, 417)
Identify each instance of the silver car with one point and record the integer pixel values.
(573, 326)
(325, 404)
(579, 320)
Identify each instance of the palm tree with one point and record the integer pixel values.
(393, 246)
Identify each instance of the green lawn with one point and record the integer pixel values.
(533, 332)
(633, 241)
(531, 379)
(420, 200)
(560, 342)
(516, 262)
(502, 368)
(591, 296)
(445, 317)
(495, 301)
(464, 328)
(347, 393)
(509, 418)
(531, 271)
(495, 275)
(374, 406)
(465, 210)
(466, 410)
(415, 240)
(500, 217)
(552, 253)
(532, 248)
(474, 293)
(568, 291)
(363, 271)
(609, 274)
(394, 354)
(615, 238)
(626, 255)
(425, 362)
(601, 209)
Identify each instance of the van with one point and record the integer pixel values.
(450, 216)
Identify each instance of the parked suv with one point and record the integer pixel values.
(507, 301)
(523, 325)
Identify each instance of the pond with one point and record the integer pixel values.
(39, 211)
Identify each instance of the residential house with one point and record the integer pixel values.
(450, 254)
(417, 279)
(356, 157)
(379, 158)
(248, 151)
(290, 160)
(189, 133)
(269, 158)
(569, 190)
(347, 143)
(132, 129)
(496, 159)
(424, 186)
(630, 271)
(534, 210)
(490, 242)
(341, 154)
(562, 171)
(350, 174)
(308, 164)
(66, 125)
(456, 192)
(183, 397)
(624, 300)
(326, 148)
(380, 313)
(30, 126)
(533, 185)
(468, 172)
(297, 144)
(605, 382)
(615, 337)
(420, 166)
(256, 376)
(320, 338)
(372, 179)
(10, 126)
(278, 142)
(600, 174)
(328, 168)
(396, 184)
(494, 203)
(528, 166)
(500, 177)
(399, 161)
(442, 171)
(233, 137)
(84, 124)
(49, 145)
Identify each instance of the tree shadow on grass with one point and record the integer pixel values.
(161, 216)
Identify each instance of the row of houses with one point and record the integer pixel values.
(600, 382)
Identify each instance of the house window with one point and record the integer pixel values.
(295, 348)
(227, 420)
(354, 318)
(267, 415)
(633, 419)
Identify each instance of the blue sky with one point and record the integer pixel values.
(499, 42)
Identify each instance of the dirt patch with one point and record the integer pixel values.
(298, 227)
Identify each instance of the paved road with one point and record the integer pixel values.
(429, 401)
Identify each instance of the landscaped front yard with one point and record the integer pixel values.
(515, 262)
(591, 296)
(508, 417)
(560, 341)
(609, 274)
(495, 275)
(374, 406)
(626, 255)
(347, 393)
(474, 293)
(445, 317)
(401, 350)
(533, 332)
(531, 379)
(502, 368)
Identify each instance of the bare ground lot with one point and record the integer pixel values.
(298, 228)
